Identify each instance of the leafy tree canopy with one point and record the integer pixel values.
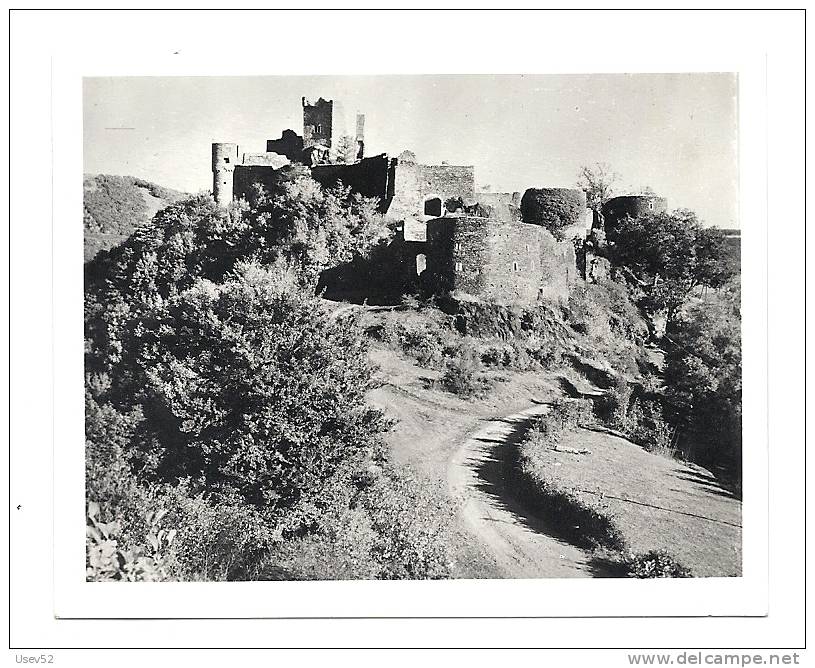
(598, 181)
(668, 255)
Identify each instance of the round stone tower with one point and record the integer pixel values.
(635, 206)
(224, 158)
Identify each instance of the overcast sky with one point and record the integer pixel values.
(676, 133)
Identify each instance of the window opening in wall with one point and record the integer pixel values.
(514, 266)
(458, 247)
(458, 266)
(421, 263)
(432, 206)
(651, 204)
(226, 160)
(319, 129)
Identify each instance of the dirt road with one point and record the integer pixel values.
(518, 541)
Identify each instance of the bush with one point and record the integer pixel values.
(109, 561)
(656, 564)
(411, 520)
(703, 377)
(393, 526)
(613, 407)
(216, 541)
(463, 376)
(585, 523)
(554, 208)
(249, 390)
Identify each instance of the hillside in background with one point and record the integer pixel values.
(115, 205)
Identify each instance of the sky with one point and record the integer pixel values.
(674, 133)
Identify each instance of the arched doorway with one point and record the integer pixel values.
(421, 263)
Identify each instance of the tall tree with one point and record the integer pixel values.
(598, 181)
(668, 256)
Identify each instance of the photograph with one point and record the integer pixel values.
(458, 335)
(412, 327)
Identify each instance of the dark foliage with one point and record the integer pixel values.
(553, 208)
(666, 256)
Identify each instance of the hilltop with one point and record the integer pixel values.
(115, 205)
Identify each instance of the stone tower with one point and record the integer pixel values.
(318, 123)
(360, 135)
(224, 158)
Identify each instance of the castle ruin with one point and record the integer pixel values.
(450, 239)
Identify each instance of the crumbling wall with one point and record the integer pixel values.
(412, 183)
(507, 262)
(558, 267)
(505, 206)
(484, 258)
(290, 144)
(273, 160)
(368, 177)
(447, 181)
(318, 122)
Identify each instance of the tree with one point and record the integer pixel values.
(667, 256)
(703, 379)
(598, 182)
(297, 224)
(344, 150)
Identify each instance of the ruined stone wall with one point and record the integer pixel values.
(505, 206)
(368, 177)
(405, 189)
(274, 160)
(508, 262)
(317, 122)
(486, 258)
(290, 144)
(558, 267)
(412, 183)
(447, 181)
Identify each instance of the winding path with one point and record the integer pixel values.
(518, 540)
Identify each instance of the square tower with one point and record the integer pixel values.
(323, 123)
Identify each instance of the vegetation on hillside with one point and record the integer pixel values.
(227, 430)
(667, 256)
(114, 206)
(225, 408)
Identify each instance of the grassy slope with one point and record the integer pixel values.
(115, 205)
(695, 520)
(700, 523)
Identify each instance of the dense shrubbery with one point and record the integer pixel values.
(655, 564)
(703, 381)
(463, 376)
(640, 418)
(225, 409)
(666, 256)
(553, 208)
(394, 526)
